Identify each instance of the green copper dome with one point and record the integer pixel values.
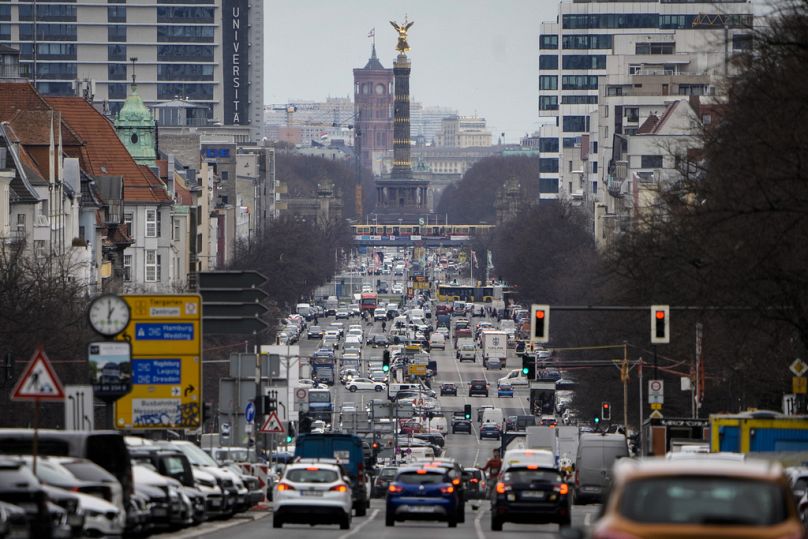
(137, 128)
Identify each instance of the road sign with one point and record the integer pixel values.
(416, 370)
(224, 430)
(656, 414)
(272, 424)
(166, 337)
(656, 391)
(232, 305)
(301, 394)
(799, 385)
(249, 412)
(656, 405)
(38, 380)
(79, 412)
(798, 367)
(233, 325)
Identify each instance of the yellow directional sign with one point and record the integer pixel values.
(656, 405)
(417, 370)
(166, 337)
(799, 385)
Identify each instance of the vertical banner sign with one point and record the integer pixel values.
(235, 41)
(166, 367)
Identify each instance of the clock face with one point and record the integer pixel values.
(109, 315)
(380, 89)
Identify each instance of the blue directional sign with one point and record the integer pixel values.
(249, 412)
(164, 332)
(156, 371)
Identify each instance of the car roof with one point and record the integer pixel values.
(415, 468)
(319, 463)
(698, 465)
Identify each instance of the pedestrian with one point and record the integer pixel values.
(316, 322)
(492, 466)
(384, 325)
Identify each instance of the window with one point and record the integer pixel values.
(573, 124)
(548, 185)
(569, 165)
(595, 184)
(597, 41)
(655, 48)
(5, 12)
(579, 82)
(153, 269)
(184, 72)
(548, 102)
(48, 12)
(176, 230)
(5, 32)
(548, 42)
(548, 164)
(583, 61)
(610, 20)
(632, 114)
(594, 167)
(178, 34)
(548, 82)
(634, 69)
(548, 61)
(127, 267)
(579, 100)
(706, 118)
(194, 91)
(116, 32)
(571, 142)
(56, 71)
(196, 53)
(613, 90)
(184, 14)
(116, 91)
(151, 223)
(651, 161)
(548, 144)
(742, 42)
(116, 52)
(48, 32)
(692, 89)
(116, 71)
(116, 14)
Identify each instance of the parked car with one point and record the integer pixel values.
(20, 487)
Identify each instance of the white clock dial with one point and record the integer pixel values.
(109, 315)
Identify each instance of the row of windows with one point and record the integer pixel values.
(55, 88)
(579, 100)
(171, 14)
(548, 144)
(653, 20)
(579, 82)
(199, 91)
(548, 185)
(48, 12)
(195, 53)
(548, 102)
(48, 32)
(655, 48)
(153, 268)
(48, 51)
(548, 164)
(193, 34)
(575, 124)
(56, 71)
(184, 72)
(597, 41)
(583, 61)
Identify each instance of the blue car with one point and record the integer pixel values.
(489, 430)
(421, 494)
(505, 390)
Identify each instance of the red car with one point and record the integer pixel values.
(410, 426)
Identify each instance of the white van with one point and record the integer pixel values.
(418, 453)
(542, 458)
(331, 305)
(437, 423)
(305, 310)
(493, 415)
(415, 314)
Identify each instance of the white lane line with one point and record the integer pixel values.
(477, 526)
(588, 519)
(356, 529)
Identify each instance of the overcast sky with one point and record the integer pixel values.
(478, 56)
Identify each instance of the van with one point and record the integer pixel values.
(437, 423)
(392, 311)
(331, 304)
(596, 456)
(416, 314)
(305, 310)
(103, 447)
(416, 453)
(542, 458)
(493, 415)
(437, 340)
(395, 388)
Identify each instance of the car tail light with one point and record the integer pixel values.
(474, 480)
(395, 489)
(563, 488)
(285, 486)
(456, 481)
(447, 490)
(502, 488)
(339, 488)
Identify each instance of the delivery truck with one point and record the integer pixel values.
(494, 344)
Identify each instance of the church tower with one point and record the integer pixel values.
(137, 128)
(373, 105)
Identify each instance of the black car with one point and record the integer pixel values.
(434, 438)
(490, 430)
(448, 389)
(530, 495)
(383, 480)
(315, 332)
(479, 388)
(474, 482)
(460, 423)
(378, 340)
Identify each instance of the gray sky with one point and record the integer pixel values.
(478, 56)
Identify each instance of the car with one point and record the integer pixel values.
(315, 332)
(378, 376)
(474, 484)
(380, 314)
(478, 387)
(358, 384)
(530, 495)
(312, 494)
(347, 374)
(378, 340)
(448, 389)
(410, 426)
(383, 480)
(504, 390)
(421, 493)
(434, 438)
(455, 473)
(336, 327)
(460, 423)
(343, 314)
(437, 340)
(698, 497)
(397, 289)
(490, 430)
(19, 486)
(443, 330)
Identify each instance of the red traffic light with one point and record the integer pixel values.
(539, 314)
(605, 404)
(660, 315)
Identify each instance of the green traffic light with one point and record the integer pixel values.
(385, 368)
(597, 420)
(289, 439)
(525, 370)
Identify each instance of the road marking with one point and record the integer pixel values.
(588, 519)
(477, 526)
(356, 529)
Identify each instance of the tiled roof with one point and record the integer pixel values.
(648, 125)
(17, 96)
(105, 154)
(667, 114)
(184, 196)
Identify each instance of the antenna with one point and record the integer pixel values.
(133, 59)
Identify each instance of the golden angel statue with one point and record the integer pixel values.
(402, 46)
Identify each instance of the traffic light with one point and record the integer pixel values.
(290, 432)
(386, 361)
(529, 366)
(605, 411)
(467, 412)
(540, 323)
(660, 324)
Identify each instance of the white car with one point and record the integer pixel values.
(306, 382)
(312, 494)
(358, 384)
(397, 289)
(101, 518)
(380, 314)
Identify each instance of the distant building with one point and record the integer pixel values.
(373, 99)
(308, 123)
(463, 132)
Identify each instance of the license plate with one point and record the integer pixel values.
(420, 509)
(532, 495)
(311, 493)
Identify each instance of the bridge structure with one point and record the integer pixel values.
(418, 235)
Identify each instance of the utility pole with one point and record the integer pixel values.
(624, 378)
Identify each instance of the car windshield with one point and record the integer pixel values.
(319, 396)
(703, 500)
(89, 471)
(311, 475)
(388, 472)
(196, 455)
(526, 476)
(414, 478)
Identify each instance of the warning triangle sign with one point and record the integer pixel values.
(38, 381)
(272, 424)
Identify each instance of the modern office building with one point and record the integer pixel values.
(209, 53)
(605, 66)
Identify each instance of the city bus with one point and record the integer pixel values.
(368, 301)
(485, 294)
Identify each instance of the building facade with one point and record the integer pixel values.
(373, 100)
(210, 53)
(463, 132)
(605, 66)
